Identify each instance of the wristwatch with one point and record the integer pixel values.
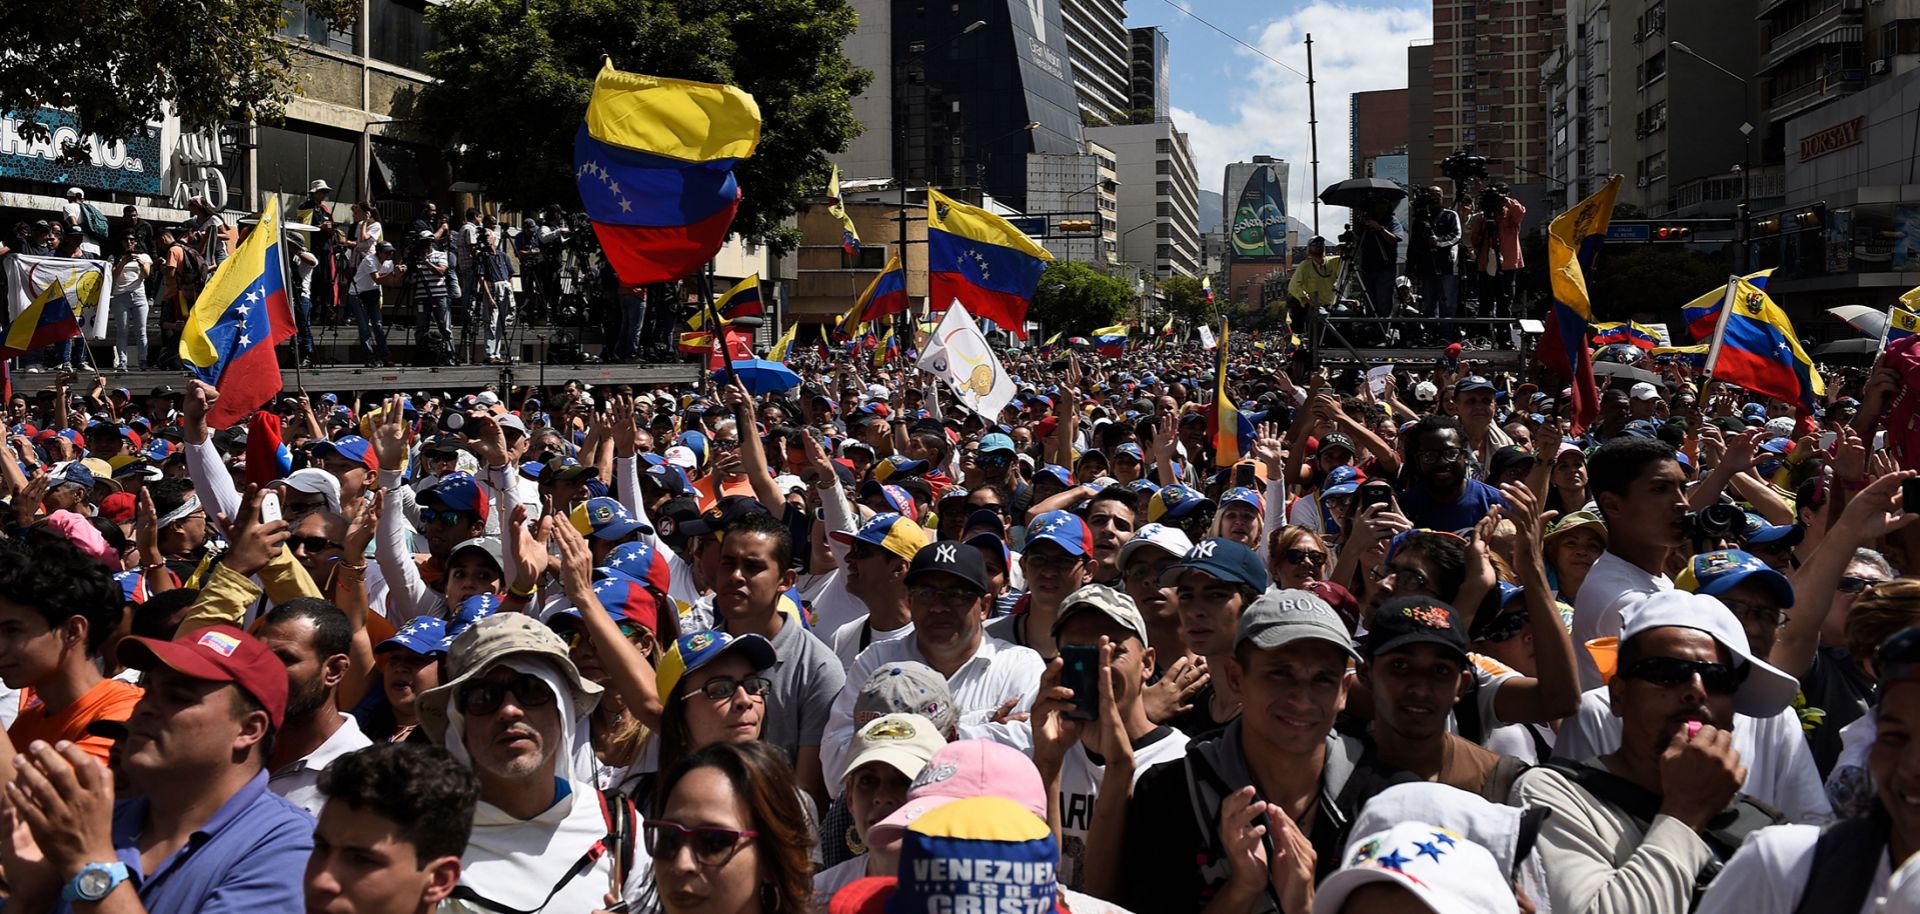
(95, 882)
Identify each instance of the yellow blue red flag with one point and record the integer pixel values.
(1703, 314)
(886, 295)
(239, 317)
(849, 236)
(979, 259)
(1573, 244)
(1900, 323)
(743, 300)
(48, 319)
(1232, 432)
(1754, 347)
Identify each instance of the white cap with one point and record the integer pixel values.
(487, 398)
(788, 484)
(1448, 873)
(1496, 827)
(1780, 427)
(1644, 391)
(904, 741)
(1160, 536)
(1766, 691)
(75, 192)
(878, 392)
(682, 456)
(316, 482)
(1425, 391)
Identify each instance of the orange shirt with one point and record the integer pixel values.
(111, 699)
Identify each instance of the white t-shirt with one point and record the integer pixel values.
(845, 640)
(370, 235)
(131, 274)
(1612, 586)
(1080, 785)
(299, 781)
(837, 877)
(363, 275)
(517, 862)
(1769, 873)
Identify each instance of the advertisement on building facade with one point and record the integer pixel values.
(127, 166)
(1259, 229)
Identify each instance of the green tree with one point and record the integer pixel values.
(1075, 298)
(514, 77)
(117, 65)
(1188, 301)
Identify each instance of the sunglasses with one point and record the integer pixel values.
(711, 846)
(1758, 612)
(1504, 628)
(1304, 557)
(573, 636)
(482, 698)
(721, 688)
(310, 543)
(1851, 584)
(445, 518)
(1673, 672)
(996, 459)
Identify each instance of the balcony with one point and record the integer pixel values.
(1837, 24)
(1814, 94)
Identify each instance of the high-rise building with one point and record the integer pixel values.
(870, 47)
(1150, 98)
(1376, 126)
(1486, 86)
(1234, 183)
(1159, 201)
(1099, 51)
(1081, 187)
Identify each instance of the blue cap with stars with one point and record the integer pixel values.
(1447, 872)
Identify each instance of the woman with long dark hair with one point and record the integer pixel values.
(728, 834)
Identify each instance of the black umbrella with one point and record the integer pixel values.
(1357, 192)
(1848, 347)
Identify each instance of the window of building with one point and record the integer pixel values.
(292, 155)
(1163, 189)
(306, 25)
(1164, 147)
(871, 257)
(399, 33)
(1652, 68)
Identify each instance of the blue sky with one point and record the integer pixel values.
(1234, 104)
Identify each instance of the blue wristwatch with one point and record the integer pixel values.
(95, 882)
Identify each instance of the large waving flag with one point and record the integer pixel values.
(654, 164)
(743, 300)
(849, 236)
(1607, 333)
(1755, 347)
(982, 261)
(958, 353)
(239, 317)
(1703, 313)
(784, 345)
(1232, 432)
(1573, 243)
(1901, 323)
(886, 295)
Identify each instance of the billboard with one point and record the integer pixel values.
(1259, 229)
(129, 166)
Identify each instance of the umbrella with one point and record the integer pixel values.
(1623, 353)
(1629, 372)
(1355, 192)
(1870, 321)
(1849, 347)
(1078, 342)
(762, 377)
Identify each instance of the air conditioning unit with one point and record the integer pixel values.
(1878, 67)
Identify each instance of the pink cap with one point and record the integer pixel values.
(962, 770)
(84, 537)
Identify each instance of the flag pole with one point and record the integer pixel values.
(286, 264)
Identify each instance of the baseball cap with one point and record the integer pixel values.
(315, 481)
(1760, 533)
(906, 687)
(788, 483)
(488, 544)
(1175, 502)
(218, 653)
(623, 598)
(605, 518)
(693, 651)
(903, 741)
(892, 532)
(1507, 457)
(1576, 521)
(961, 770)
(898, 466)
(566, 469)
(952, 558)
(460, 492)
(72, 473)
(1715, 573)
(1415, 620)
(1644, 391)
(1222, 558)
(423, 635)
(1061, 529)
(1099, 598)
(722, 515)
(1448, 873)
(1471, 383)
(352, 447)
(1171, 540)
(1281, 617)
(1341, 480)
(994, 441)
(1241, 495)
(1764, 692)
(638, 559)
(1337, 440)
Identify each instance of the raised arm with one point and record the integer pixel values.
(1875, 512)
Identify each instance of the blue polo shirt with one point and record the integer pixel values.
(1431, 513)
(249, 858)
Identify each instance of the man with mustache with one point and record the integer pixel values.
(508, 710)
(1639, 828)
(312, 637)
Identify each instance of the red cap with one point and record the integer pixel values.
(219, 653)
(118, 507)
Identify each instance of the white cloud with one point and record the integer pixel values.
(1354, 50)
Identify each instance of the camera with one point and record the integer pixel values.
(1464, 166)
(1716, 522)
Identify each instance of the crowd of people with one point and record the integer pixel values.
(1411, 645)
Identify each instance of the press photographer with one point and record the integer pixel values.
(1495, 231)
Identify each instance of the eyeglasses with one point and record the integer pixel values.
(572, 636)
(310, 543)
(484, 697)
(1415, 580)
(1851, 584)
(711, 846)
(1673, 672)
(725, 444)
(1053, 564)
(444, 518)
(721, 688)
(1504, 628)
(950, 597)
(1758, 612)
(1304, 557)
(1444, 455)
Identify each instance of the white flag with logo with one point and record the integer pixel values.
(958, 353)
(86, 285)
(1206, 337)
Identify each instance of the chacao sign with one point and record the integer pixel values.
(128, 166)
(197, 165)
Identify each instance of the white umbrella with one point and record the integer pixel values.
(1869, 321)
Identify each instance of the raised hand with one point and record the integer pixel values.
(363, 521)
(252, 543)
(391, 435)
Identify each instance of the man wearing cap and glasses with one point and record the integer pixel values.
(1642, 828)
(203, 833)
(947, 595)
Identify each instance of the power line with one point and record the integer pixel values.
(1190, 14)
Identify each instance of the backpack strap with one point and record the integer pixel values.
(1844, 861)
(619, 816)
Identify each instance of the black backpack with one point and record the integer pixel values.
(192, 275)
(1844, 861)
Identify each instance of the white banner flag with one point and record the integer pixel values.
(85, 284)
(959, 354)
(1206, 337)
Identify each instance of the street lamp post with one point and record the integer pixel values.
(1746, 149)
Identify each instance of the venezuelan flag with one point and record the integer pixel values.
(743, 300)
(1111, 345)
(1642, 335)
(1608, 333)
(48, 319)
(654, 164)
(695, 343)
(1755, 347)
(785, 344)
(1695, 355)
(1900, 323)
(886, 295)
(1703, 313)
(883, 349)
(849, 236)
(240, 316)
(982, 261)
(1232, 432)
(1573, 243)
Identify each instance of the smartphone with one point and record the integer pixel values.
(1245, 477)
(1079, 671)
(1368, 496)
(269, 508)
(1910, 495)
